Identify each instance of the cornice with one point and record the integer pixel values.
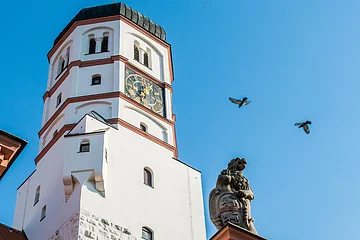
(99, 62)
(97, 97)
(100, 20)
(60, 133)
(68, 127)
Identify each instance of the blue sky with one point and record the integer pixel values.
(295, 60)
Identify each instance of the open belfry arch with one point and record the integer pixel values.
(108, 166)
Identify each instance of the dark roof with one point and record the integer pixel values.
(116, 9)
(8, 233)
(98, 117)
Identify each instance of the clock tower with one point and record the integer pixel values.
(108, 165)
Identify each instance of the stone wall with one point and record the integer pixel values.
(87, 226)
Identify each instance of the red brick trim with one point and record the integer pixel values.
(73, 100)
(100, 20)
(56, 85)
(129, 100)
(142, 133)
(98, 62)
(138, 70)
(233, 232)
(97, 97)
(119, 121)
(114, 18)
(62, 131)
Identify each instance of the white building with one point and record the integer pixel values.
(107, 166)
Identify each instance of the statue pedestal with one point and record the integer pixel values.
(233, 232)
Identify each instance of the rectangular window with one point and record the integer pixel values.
(58, 100)
(85, 147)
(92, 46)
(104, 44)
(146, 59)
(96, 80)
(43, 213)
(146, 234)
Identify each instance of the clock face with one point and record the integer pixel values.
(144, 91)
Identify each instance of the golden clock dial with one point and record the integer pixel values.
(144, 91)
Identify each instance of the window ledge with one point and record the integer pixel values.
(42, 218)
(35, 203)
(143, 64)
(61, 73)
(149, 186)
(86, 54)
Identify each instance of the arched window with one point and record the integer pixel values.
(147, 234)
(96, 80)
(148, 178)
(61, 66)
(105, 43)
(143, 127)
(37, 195)
(58, 100)
(68, 56)
(136, 52)
(84, 146)
(55, 133)
(146, 59)
(43, 213)
(92, 45)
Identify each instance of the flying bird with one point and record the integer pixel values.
(304, 125)
(241, 103)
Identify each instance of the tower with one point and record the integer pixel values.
(107, 165)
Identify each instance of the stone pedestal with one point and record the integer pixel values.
(233, 232)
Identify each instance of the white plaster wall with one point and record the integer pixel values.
(49, 176)
(174, 207)
(104, 107)
(47, 136)
(108, 108)
(159, 54)
(62, 52)
(79, 161)
(84, 86)
(197, 203)
(78, 83)
(65, 90)
(155, 127)
(79, 49)
(166, 208)
(21, 205)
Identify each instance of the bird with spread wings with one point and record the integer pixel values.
(240, 102)
(304, 125)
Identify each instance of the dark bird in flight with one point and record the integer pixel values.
(304, 125)
(241, 103)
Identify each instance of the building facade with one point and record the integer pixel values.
(107, 165)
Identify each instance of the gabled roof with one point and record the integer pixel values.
(10, 148)
(97, 116)
(77, 129)
(9, 233)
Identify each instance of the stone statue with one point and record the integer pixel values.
(230, 200)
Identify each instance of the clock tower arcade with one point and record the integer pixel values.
(107, 165)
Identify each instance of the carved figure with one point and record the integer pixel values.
(230, 200)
